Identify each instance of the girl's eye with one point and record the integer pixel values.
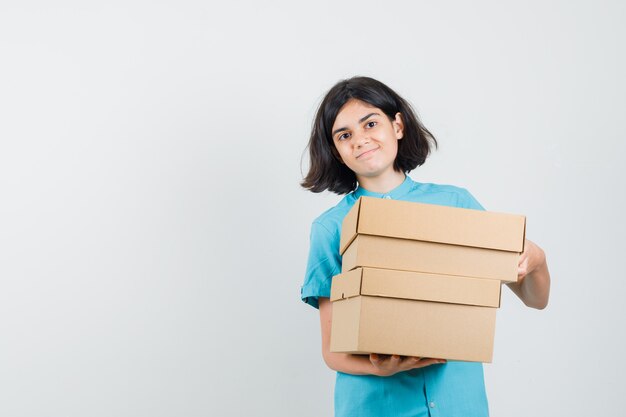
(343, 136)
(371, 124)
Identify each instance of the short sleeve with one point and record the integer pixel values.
(324, 262)
(468, 201)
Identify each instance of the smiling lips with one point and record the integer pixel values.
(367, 153)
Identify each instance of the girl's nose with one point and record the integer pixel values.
(361, 140)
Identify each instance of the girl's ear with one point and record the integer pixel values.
(398, 126)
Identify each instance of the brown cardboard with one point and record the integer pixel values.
(413, 314)
(433, 223)
(422, 280)
(366, 324)
(429, 257)
(416, 286)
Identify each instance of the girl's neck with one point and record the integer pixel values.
(382, 184)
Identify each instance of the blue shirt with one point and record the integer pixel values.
(453, 389)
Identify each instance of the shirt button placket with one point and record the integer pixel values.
(432, 410)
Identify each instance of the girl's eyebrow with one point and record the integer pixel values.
(361, 120)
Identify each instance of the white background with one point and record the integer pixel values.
(153, 235)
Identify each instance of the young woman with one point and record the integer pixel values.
(364, 141)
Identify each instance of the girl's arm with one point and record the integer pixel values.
(380, 365)
(533, 277)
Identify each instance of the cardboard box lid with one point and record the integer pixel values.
(434, 223)
(416, 286)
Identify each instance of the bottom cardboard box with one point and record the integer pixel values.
(366, 324)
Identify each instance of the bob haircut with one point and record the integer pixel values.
(327, 171)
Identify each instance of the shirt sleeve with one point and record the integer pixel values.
(324, 262)
(467, 200)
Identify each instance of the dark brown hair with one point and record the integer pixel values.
(326, 172)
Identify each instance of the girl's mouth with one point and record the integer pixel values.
(367, 153)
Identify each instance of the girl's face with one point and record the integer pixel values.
(366, 140)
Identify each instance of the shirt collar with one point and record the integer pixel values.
(395, 194)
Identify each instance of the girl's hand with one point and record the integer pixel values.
(388, 365)
(532, 258)
(533, 277)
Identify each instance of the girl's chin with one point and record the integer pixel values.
(374, 174)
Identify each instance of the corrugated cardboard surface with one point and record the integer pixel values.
(433, 223)
(416, 286)
(365, 324)
(429, 257)
(346, 285)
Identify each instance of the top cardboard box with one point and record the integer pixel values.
(433, 223)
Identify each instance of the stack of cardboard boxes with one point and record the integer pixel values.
(422, 280)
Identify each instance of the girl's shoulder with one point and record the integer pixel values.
(442, 194)
(332, 218)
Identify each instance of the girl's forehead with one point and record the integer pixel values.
(354, 109)
(356, 103)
